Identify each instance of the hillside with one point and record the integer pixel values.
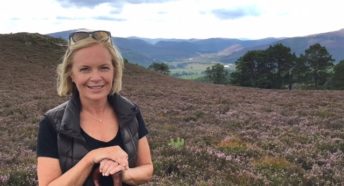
(233, 135)
(145, 51)
(333, 41)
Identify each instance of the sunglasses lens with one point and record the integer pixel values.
(77, 36)
(97, 35)
(101, 35)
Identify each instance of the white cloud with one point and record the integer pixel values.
(179, 18)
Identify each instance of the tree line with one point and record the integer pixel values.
(278, 68)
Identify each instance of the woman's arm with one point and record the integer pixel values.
(49, 170)
(143, 172)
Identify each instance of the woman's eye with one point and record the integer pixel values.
(104, 68)
(84, 69)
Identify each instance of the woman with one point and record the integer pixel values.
(98, 135)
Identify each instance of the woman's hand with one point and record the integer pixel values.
(109, 167)
(114, 153)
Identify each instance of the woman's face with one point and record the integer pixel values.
(92, 72)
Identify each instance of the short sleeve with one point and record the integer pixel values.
(47, 139)
(142, 126)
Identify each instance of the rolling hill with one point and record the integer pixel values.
(233, 135)
(145, 51)
(333, 41)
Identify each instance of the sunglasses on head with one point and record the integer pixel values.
(99, 35)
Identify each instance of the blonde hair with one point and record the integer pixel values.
(65, 85)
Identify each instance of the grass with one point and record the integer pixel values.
(233, 146)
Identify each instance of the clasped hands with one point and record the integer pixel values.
(112, 161)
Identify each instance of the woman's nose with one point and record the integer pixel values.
(96, 75)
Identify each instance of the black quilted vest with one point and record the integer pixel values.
(72, 145)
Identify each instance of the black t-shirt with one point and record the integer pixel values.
(47, 138)
(47, 141)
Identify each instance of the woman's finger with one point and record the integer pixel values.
(116, 169)
(105, 166)
(123, 162)
(111, 167)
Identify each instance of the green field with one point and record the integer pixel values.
(190, 70)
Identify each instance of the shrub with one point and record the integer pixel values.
(179, 143)
(160, 67)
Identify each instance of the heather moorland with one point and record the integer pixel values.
(200, 134)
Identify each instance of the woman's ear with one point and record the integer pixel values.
(71, 77)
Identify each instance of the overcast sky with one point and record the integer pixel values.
(244, 19)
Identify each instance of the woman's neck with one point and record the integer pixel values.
(94, 107)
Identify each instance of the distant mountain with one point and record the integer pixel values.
(145, 51)
(333, 41)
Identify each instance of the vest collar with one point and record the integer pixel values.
(70, 123)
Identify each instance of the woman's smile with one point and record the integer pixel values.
(95, 86)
